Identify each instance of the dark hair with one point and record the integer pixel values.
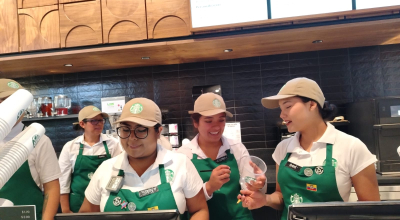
(195, 117)
(77, 127)
(328, 112)
(157, 126)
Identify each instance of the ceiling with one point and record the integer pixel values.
(366, 33)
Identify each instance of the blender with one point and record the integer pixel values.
(62, 103)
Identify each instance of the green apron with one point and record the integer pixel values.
(156, 198)
(297, 187)
(223, 205)
(84, 168)
(21, 189)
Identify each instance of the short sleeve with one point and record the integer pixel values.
(66, 169)
(93, 190)
(279, 153)
(359, 157)
(193, 183)
(46, 162)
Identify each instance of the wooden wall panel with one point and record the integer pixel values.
(71, 1)
(35, 3)
(39, 28)
(8, 26)
(168, 18)
(123, 20)
(80, 24)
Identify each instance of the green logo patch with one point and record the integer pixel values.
(35, 140)
(96, 109)
(217, 103)
(20, 113)
(136, 108)
(334, 162)
(13, 85)
(169, 174)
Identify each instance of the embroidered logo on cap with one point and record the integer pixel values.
(217, 103)
(96, 109)
(13, 85)
(136, 108)
(169, 174)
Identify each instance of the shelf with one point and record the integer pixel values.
(51, 118)
(336, 124)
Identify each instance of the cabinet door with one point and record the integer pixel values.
(168, 18)
(123, 20)
(39, 28)
(8, 26)
(80, 24)
(35, 3)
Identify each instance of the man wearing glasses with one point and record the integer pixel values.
(80, 157)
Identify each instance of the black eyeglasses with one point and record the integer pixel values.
(95, 122)
(125, 132)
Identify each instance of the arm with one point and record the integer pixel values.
(256, 199)
(89, 207)
(366, 184)
(65, 179)
(51, 199)
(64, 201)
(197, 207)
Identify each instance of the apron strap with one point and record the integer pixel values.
(162, 173)
(106, 148)
(121, 173)
(194, 157)
(80, 149)
(287, 156)
(328, 155)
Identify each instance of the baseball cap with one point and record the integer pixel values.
(296, 87)
(142, 111)
(90, 111)
(8, 87)
(210, 104)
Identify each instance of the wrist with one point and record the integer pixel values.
(267, 199)
(209, 189)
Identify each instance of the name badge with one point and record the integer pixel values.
(115, 184)
(102, 156)
(293, 166)
(221, 159)
(148, 191)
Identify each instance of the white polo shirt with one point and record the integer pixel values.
(70, 151)
(185, 181)
(236, 148)
(349, 155)
(42, 160)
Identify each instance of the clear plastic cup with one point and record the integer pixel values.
(250, 168)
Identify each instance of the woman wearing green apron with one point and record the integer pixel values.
(80, 157)
(319, 163)
(151, 177)
(218, 159)
(40, 170)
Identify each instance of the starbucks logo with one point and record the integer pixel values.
(13, 85)
(296, 198)
(217, 103)
(136, 108)
(248, 179)
(35, 140)
(169, 174)
(96, 109)
(20, 113)
(90, 175)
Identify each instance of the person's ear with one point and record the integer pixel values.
(82, 124)
(313, 106)
(159, 132)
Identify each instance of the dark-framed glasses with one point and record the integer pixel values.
(94, 121)
(139, 132)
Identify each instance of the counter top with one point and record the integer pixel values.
(382, 180)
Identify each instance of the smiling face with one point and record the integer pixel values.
(297, 114)
(139, 148)
(211, 127)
